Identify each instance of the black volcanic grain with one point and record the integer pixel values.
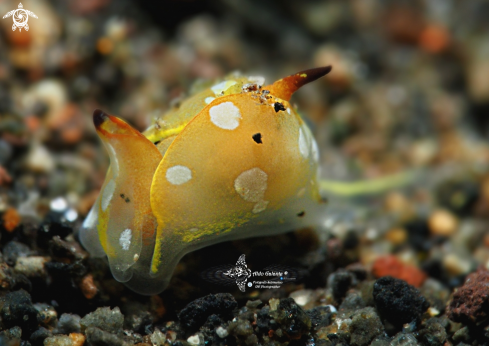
(398, 302)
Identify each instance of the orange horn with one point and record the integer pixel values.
(285, 87)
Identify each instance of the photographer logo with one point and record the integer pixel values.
(270, 277)
(20, 17)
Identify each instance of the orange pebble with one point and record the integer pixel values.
(11, 219)
(434, 39)
(105, 45)
(77, 338)
(157, 306)
(87, 287)
(442, 222)
(391, 266)
(72, 135)
(4, 176)
(396, 236)
(19, 39)
(33, 123)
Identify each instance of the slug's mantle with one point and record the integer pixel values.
(233, 161)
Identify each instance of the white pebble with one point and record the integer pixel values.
(158, 338)
(40, 159)
(71, 215)
(332, 308)
(58, 204)
(194, 340)
(32, 266)
(58, 340)
(274, 302)
(302, 297)
(221, 332)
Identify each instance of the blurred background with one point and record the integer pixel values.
(408, 94)
(409, 85)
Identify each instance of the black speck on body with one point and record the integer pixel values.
(257, 138)
(301, 214)
(278, 106)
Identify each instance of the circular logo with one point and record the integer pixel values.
(250, 284)
(20, 17)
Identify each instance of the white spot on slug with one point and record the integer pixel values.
(91, 219)
(251, 186)
(225, 115)
(260, 206)
(307, 133)
(303, 147)
(220, 88)
(288, 110)
(107, 194)
(209, 99)
(178, 175)
(125, 239)
(113, 159)
(193, 230)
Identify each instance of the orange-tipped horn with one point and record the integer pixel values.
(109, 125)
(285, 87)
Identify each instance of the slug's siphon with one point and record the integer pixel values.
(233, 161)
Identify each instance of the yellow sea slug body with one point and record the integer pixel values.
(233, 161)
